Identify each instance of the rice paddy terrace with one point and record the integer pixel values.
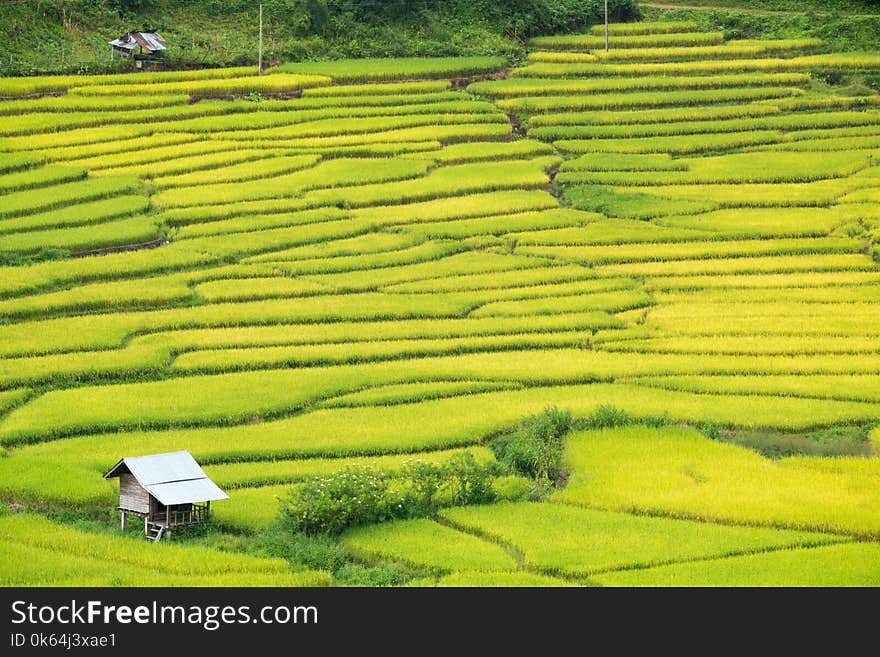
(380, 261)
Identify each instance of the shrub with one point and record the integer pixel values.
(361, 495)
(535, 448)
(605, 417)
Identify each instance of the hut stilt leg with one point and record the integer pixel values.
(122, 521)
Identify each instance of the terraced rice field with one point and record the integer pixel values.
(373, 265)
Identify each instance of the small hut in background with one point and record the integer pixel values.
(166, 490)
(143, 46)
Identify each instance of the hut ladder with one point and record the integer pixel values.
(155, 532)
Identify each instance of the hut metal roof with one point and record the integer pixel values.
(172, 478)
(148, 40)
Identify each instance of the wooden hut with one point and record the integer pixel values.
(166, 490)
(143, 46)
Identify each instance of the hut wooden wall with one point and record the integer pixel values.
(132, 497)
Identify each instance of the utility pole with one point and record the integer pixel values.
(260, 61)
(606, 25)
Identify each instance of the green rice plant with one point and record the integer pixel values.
(724, 54)
(39, 177)
(663, 115)
(830, 143)
(849, 564)
(559, 57)
(242, 86)
(462, 153)
(186, 165)
(26, 565)
(10, 398)
(453, 132)
(428, 544)
(242, 119)
(373, 149)
(484, 580)
(756, 222)
(844, 387)
(348, 125)
(733, 49)
(226, 360)
(77, 137)
(503, 224)
(778, 122)
(847, 294)
(620, 64)
(623, 162)
(268, 287)
(361, 245)
(84, 151)
(359, 70)
(441, 95)
(273, 473)
(771, 319)
(161, 155)
(68, 471)
(862, 61)
(649, 99)
(762, 167)
(47, 553)
(94, 212)
(342, 172)
(759, 281)
(460, 206)
(670, 251)
(27, 86)
(268, 165)
(56, 196)
(105, 296)
(605, 231)
(83, 366)
(674, 471)
(292, 334)
(753, 265)
(271, 245)
(12, 162)
(445, 181)
(155, 345)
(677, 145)
(251, 509)
(258, 222)
(24, 529)
(573, 541)
(615, 202)
(608, 302)
(412, 89)
(71, 103)
(46, 275)
(571, 70)
(776, 345)
(586, 42)
(51, 122)
(134, 230)
(522, 86)
(818, 193)
(646, 27)
(407, 393)
(825, 102)
(427, 261)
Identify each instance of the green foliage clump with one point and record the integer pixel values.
(357, 496)
(535, 448)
